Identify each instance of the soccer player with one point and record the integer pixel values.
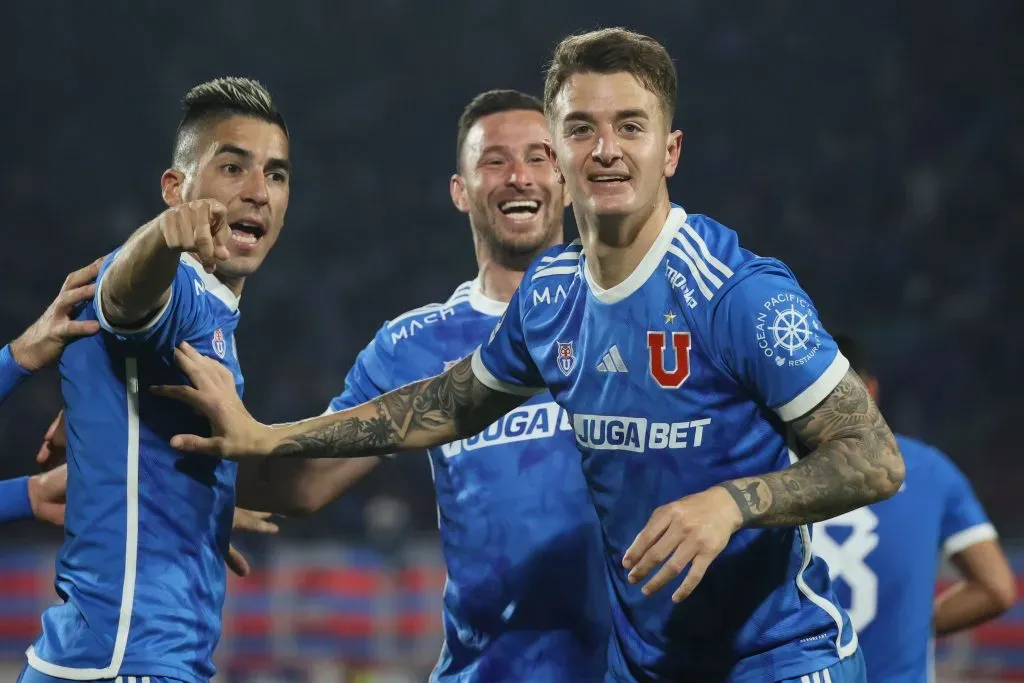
(884, 559)
(525, 596)
(686, 363)
(37, 347)
(141, 574)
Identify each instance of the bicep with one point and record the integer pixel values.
(848, 411)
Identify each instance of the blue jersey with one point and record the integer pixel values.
(524, 598)
(884, 559)
(677, 379)
(141, 571)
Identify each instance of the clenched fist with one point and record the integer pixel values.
(198, 227)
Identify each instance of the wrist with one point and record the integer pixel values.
(15, 367)
(15, 500)
(733, 504)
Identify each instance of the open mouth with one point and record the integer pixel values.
(247, 232)
(608, 178)
(520, 209)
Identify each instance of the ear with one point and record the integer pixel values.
(673, 148)
(871, 384)
(553, 157)
(460, 197)
(172, 184)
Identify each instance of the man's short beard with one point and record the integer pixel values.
(513, 254)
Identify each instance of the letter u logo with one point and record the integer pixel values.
(680, 361)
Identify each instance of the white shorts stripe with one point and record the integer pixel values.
(825, 674)
(816, 678)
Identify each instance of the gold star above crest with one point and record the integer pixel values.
(670, 317)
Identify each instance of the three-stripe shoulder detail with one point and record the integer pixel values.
(565, 262)
(707, 271)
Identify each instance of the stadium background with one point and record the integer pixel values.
(877, 147)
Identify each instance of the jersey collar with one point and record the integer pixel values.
(484, 304)
(644, 269)
(212, 284)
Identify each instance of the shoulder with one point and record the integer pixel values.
(423, 324)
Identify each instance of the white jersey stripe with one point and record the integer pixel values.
(555, 270)
(485, 377)
(705, 271)
(693, 271)
(131, 548)
(702, 245)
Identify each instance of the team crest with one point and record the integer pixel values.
(219, 346)
(566, 357)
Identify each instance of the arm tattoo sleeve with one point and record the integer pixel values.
(451, 406)
(854, 462)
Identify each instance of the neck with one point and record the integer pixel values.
(500, 272)
(235, 284)
(615, 245)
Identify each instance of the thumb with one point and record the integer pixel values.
(190, 443)
(236, 562)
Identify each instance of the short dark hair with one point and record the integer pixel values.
(851, 349)
(216, 100)
(492, 102)
(613, 50)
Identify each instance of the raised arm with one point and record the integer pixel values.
(138, 282)
(854, 461)
(450, 406)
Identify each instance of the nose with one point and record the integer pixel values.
(255, 189)
(607, 150)
(520, 177)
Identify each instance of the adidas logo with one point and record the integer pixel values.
(612, 362)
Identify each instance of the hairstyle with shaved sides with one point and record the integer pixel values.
(212, 102)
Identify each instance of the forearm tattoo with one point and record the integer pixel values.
(433, 411)
(854, 462)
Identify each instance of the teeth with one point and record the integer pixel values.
(243, 237)
(520, 204)
(606, 178)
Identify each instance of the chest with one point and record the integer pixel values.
(217, 339)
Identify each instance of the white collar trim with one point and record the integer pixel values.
(644, 269)
(212, 284)
(481, 303)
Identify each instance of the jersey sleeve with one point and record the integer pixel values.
(183, 313)
(766, 333)
(370, 376)
(503, 363)
(964, 521)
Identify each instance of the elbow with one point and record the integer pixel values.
(303, 506)
(893, 469)
(1004, 594)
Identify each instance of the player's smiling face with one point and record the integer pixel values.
(243, 163)
(508, 184)
(612, 143)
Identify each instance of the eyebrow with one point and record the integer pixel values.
(503, 149)
(274, 163)
(619, 115)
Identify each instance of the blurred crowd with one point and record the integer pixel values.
(876, 147)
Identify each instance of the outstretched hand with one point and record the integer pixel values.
(42, 343)
(236, 433)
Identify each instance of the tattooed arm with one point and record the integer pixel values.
(435, 411)
(854, 462)
(438, 410)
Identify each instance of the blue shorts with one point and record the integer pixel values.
(849, 670)
(30, 675)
